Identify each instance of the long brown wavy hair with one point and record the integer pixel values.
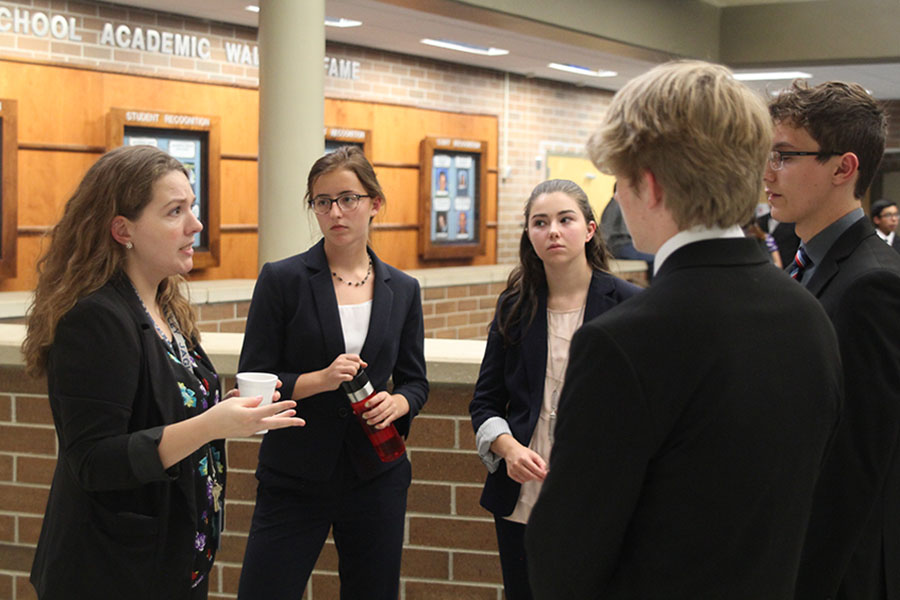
(83, 256)
(520, 298)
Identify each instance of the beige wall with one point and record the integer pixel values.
(835, 31)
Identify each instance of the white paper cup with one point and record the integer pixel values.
(252, 384)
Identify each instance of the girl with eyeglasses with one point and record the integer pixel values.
(315, 319)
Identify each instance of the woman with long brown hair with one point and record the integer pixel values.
(561, 281)
(136, 503)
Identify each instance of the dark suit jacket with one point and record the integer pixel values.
(687, 443)
(511, 381)
(294, 327)
(784, 235)
(895, 244)
(117, 525)
(853, 542)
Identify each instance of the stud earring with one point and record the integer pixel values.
(129, 245)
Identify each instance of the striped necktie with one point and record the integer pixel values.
(800, 264)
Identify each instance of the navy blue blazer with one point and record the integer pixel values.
(294, 327)
(511, 381)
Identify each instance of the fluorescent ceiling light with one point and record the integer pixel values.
(252, 8)
(463, 47)
(771, 75)
(581, 70)
(342, 22)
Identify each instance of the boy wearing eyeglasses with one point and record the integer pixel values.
(829, 141)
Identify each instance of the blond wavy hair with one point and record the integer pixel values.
(82, 255)
(703, 135)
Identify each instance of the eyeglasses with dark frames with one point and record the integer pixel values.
(776, 157)
(346, 202)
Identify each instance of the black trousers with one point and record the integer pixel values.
(511, 543)
(291, 522)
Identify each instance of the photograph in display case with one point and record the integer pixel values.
(192, 140)
(452, 209)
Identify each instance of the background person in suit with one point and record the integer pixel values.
(829, 141)
(615, 234)
(135, 506)
(671, 477)
(561, 281)
(315, 319)
(884, 215)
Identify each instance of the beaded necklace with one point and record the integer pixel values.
(358, 283)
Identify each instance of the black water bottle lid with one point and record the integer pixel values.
(359, 387)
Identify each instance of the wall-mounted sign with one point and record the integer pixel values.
(9, 146)
(130, 36)
(38, 23)
(452, 205)
(194, 141)
(154, 40)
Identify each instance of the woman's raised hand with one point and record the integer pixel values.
(237, 416)
(342, 369)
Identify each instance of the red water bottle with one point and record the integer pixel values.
(387, 442)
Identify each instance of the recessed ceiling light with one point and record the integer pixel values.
(463, 47)
(578, 70)
(252, 8)
(771, 75)
(342, 22)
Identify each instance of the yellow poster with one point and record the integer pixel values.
(597, 185)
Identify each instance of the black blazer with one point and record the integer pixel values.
(852, 548)
(117, 524)
(687, 443)
(294, 327)
(511, 381)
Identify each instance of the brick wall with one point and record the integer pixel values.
(460, 311)
(224, 317)
(449, 549)
(454, 312)
(27, 459)
(543, 117)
